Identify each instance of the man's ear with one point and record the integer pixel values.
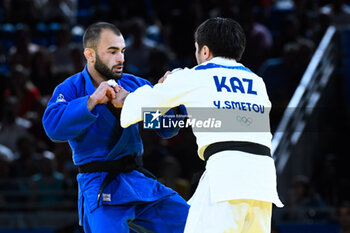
(207, 55)
(90, 55)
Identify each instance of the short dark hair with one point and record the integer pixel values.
(92, 33)
(224, 37)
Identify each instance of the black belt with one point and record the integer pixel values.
(249, 147)
(124, 164)
(114, 168)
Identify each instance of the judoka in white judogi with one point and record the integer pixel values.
(236, 191)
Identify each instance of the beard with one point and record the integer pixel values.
(103, 69)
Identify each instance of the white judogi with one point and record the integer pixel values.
(229, 86)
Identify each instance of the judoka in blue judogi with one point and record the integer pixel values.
(131, 200)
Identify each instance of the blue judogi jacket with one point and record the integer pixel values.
(96, 136)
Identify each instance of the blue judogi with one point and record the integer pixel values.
(131, 199)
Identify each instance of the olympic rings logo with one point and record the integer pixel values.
(244, 120)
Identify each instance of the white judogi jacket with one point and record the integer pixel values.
(222, 85)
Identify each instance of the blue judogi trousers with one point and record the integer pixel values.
(164, 215)
(130, 203)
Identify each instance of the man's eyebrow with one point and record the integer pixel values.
(116, 48)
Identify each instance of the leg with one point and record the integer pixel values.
(86, 225)
(207, 216)
(166, 215)
(235, 216)
(108, 219)
(258, 218)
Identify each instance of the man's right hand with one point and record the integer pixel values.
(162, 79)
(102, 95)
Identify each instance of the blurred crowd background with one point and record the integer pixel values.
(41, 45)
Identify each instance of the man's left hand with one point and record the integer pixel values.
(120, 96)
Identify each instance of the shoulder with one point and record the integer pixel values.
(132, 82)
(72, 84)
(179, 76)
(75, 79)
(135, 79)
(182, 72)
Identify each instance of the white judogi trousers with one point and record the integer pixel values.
(234, 216)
